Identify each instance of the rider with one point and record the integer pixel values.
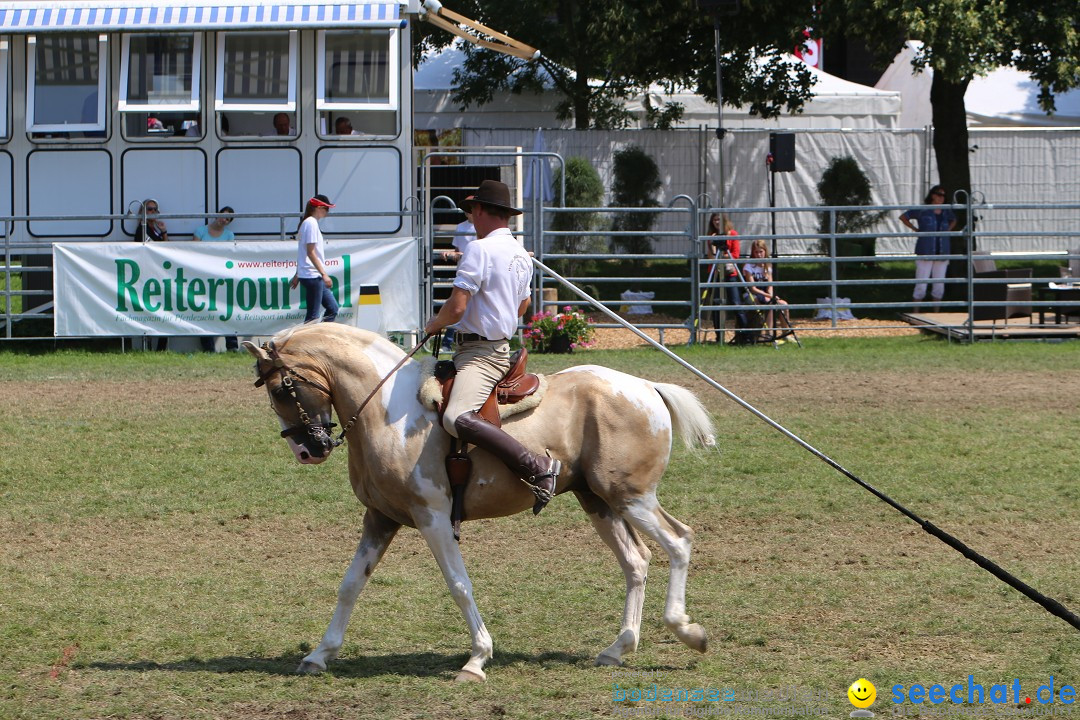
(491, 291)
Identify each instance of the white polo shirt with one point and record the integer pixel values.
(497, 272)
(309, 234)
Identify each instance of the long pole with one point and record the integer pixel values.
(719, 106)
(1049, 604)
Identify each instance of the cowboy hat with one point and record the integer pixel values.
(491, 192)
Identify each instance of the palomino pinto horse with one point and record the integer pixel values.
(612, 432)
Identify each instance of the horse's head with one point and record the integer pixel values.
(303, 405)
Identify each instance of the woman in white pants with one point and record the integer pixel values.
(928, 247)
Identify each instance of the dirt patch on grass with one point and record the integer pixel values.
(621, 338)
(1034, 389)
(136, 397)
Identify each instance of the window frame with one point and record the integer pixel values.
(5, 85)
(31, 90)
(394, 79)
(221, 105)
(193, 105)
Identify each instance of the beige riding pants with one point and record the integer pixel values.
(480, 365)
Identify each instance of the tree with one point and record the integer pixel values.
(963, 39)
(636, 178)
(598, 53)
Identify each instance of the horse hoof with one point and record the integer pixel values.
(466, 676)
(694, 637)
(607, 661)
(309, 668)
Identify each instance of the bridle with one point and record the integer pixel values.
(319, 432)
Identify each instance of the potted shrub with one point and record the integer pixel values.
(584, 188)
(559, 332)
(844, 183)
(636, 180)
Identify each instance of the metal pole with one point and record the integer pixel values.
(719, 107)
(1049, 604)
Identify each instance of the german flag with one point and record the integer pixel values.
(369, 295)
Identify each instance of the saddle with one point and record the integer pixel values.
(514, 387)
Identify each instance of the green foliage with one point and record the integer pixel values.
(843, 184)
(635, 181)
(598, 53)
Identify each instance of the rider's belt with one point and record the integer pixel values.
(473, 337)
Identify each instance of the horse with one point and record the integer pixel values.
(612, 431)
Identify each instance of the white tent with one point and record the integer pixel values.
(1004, 97)
(837, 103)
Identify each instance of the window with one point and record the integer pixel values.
(356, 84)
(358, 70)
(3, 88)
(159, 85)
(65, 83)
(256, 83)
(257, 71)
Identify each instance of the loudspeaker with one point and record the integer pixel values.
(782, 149)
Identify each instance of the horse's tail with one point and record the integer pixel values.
(690, 418)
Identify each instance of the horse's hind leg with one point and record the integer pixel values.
(646, 515)
(379, 530)
(633, 557)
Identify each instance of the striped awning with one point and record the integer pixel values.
(22, 16)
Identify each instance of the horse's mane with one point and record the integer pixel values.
(281, 338)
(330, 332)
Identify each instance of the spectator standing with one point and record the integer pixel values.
(310, 262)
(217, 230)
(726, 246)
(929, 247)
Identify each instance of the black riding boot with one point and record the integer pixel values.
(540, 471)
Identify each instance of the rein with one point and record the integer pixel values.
(348, 426)
(315, 430)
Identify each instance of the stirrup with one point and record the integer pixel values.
(538, 483)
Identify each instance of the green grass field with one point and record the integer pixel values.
(163, 556)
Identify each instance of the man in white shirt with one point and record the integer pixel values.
(491, 291)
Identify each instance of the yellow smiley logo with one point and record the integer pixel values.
(862, 693)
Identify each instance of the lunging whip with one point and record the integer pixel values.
(1048, 603)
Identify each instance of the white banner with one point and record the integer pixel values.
(211, 288)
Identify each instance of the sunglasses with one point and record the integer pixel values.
(937, 194)
(151, 208)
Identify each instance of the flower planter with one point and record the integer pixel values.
(560, 344)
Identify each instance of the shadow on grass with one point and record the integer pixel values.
(404, 664)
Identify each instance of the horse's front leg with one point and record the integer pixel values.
(439, 536)
(379, 530)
